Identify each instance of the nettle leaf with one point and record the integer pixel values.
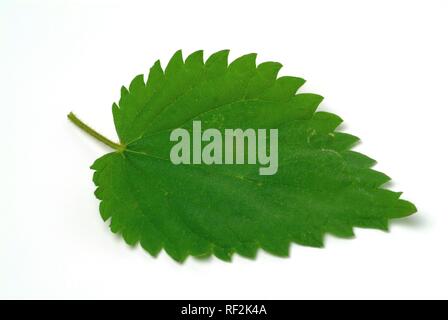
(320, 186)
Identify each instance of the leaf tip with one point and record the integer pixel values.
(195, 57)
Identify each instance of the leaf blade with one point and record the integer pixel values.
(321, 185)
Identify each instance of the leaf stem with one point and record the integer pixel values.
(98, 136)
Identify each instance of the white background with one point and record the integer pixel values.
(381, 65)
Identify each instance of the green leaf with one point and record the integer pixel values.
(321, 186)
